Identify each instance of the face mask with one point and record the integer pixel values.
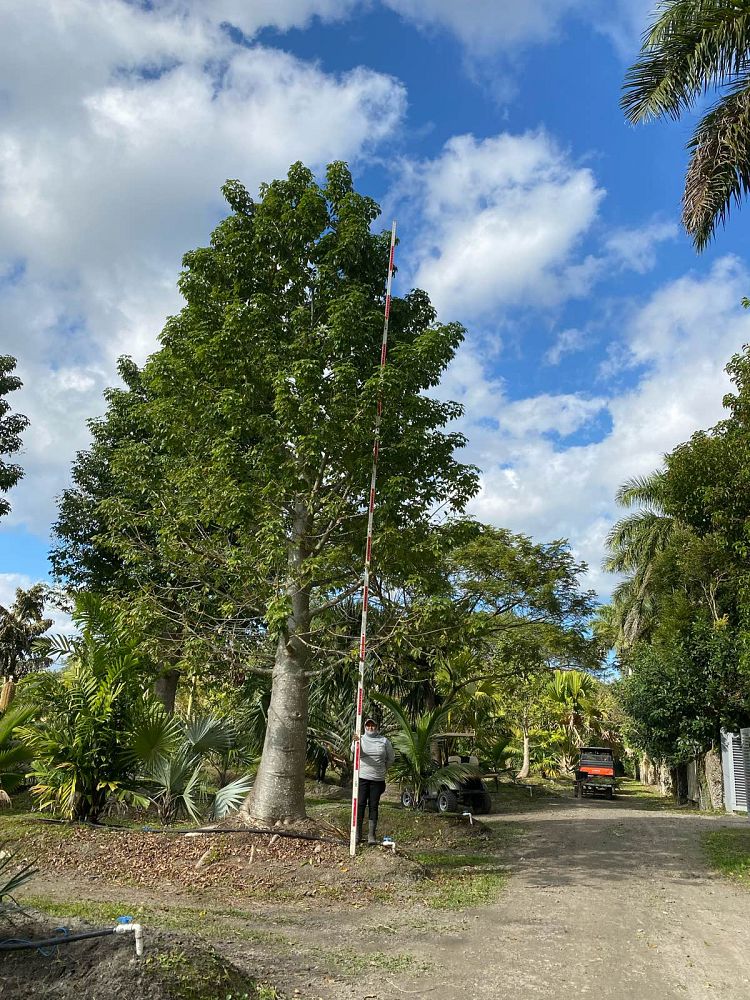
(371, 732)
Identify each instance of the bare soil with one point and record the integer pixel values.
(108, 969)
(605, 899)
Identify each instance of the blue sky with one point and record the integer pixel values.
(491, 130)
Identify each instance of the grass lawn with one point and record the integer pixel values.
(729, 852)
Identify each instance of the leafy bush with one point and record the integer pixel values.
(79, 743)
(101, 736)
(12, 753)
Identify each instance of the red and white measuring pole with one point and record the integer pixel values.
(368, 550)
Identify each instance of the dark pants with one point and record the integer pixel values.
(369, 795)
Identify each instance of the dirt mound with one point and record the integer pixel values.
(250, 864)
(171, 968)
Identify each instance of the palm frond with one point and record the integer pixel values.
(407, 742)
(718, 174)
(231, 796)
(14, 717)
(208, 734)
(690, 47)
(12, 756)
(12, 877)
(637, 540)
(645, 491)
(155, 735)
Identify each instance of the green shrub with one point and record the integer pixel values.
(79, 742)
(13, 754)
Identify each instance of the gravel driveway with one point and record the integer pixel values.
(606, 900)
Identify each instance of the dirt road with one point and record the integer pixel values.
(607, 900)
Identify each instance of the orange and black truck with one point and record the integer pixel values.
(595, 773)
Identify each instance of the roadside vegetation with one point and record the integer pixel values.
(678, 619)
(728, 851)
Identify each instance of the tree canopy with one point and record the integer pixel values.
(22, 626)
(11, 427)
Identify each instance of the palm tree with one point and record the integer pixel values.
(21, 628)
(572, 694)
(414, 767)
(690, 48)
(635, 544)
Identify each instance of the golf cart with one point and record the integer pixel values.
(595, 773)
(469, 794)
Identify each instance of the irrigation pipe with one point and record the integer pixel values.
(22, 944)
(368, 549)
(204, 830)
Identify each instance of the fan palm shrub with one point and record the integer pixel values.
(13, 875)
(171, 756)
(414, 767)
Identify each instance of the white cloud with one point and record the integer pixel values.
(120, 124)
(503, 28)
(679, 342)
(562, 414)
(567, 342)
(502, 219)
(624, 22)
(251, 15)
(486, 26)
(636, 249)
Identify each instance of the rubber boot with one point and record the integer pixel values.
(359, 831)
(371, 833)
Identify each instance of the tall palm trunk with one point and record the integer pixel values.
(279, 789)
(7, 694)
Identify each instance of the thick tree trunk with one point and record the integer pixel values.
(279, 789)
(165, 689)
(714, 780)
(680, 783)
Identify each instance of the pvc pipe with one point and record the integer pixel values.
(471, 818)
(137, 931)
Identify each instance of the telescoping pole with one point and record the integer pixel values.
(368, 549)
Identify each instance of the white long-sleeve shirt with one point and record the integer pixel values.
(376, 755)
